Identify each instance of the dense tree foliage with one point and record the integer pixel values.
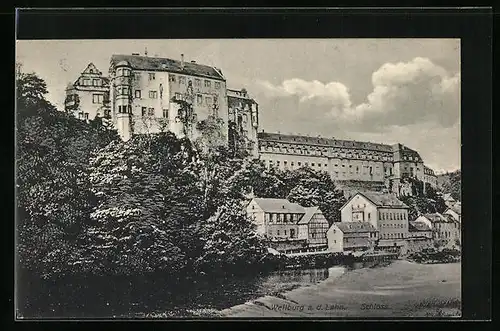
(91, 203)
(451, 183)
(423, 201)
(54, 198)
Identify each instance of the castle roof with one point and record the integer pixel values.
(355, 227)
(271, 205)
(138, 62)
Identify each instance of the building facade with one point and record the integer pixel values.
(384, 211)
(444, 227)
(313, 226)
(288, 224)
(276, 218)
(344, 160)
(88, 96)
(151, 95)
(243, 118)
(419, 236)
(430, 177)
(455, 211)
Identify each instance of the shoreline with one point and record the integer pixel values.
(400, 289)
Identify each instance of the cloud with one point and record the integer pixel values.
(403, 93)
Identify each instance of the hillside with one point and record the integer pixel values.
(451, 183)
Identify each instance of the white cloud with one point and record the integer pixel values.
(403, 94)
(334, 94)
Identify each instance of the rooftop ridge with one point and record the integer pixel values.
(140, 62)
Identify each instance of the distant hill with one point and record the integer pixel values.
(451, 182)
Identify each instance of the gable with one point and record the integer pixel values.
(358, 200)
(253, 206)
(92, 70)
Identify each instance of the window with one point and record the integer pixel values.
(151, 111)
(126, 72)
(95, 82)
(217, 85)
(369, 215)
(312, 164)
(172, 78)
(123, 90)
(197, 82)
(182, 80)
(86, 82)
(144, 109)
(278, 232)
(208, 100)
(152, 76)
(138, 94)
(299, 163)
(208, 83)
(153, 94)
(86, 116)
(165, 115)
(199, 99)
(97, 98)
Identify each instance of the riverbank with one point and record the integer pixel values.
(400, 289)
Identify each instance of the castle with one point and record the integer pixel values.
(143, 94)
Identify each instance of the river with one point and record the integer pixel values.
(278, 294)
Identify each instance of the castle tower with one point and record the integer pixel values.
(121, 92)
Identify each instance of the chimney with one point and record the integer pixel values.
(182, 61)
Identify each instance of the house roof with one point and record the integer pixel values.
(448, 197)
(450, 218)
(355, 227)
(270, 205)
(310, 211)
(436, 218)
(163, 64)
(379, 199)
(456, 208)
(418, 226)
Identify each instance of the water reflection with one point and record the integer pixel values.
(138, 296)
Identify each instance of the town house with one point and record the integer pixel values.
(385, 212)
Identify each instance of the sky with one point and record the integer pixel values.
(380, 90)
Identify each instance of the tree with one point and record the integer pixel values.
(54, 197)
(318, 189)
(229, 240)
(131, 231)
